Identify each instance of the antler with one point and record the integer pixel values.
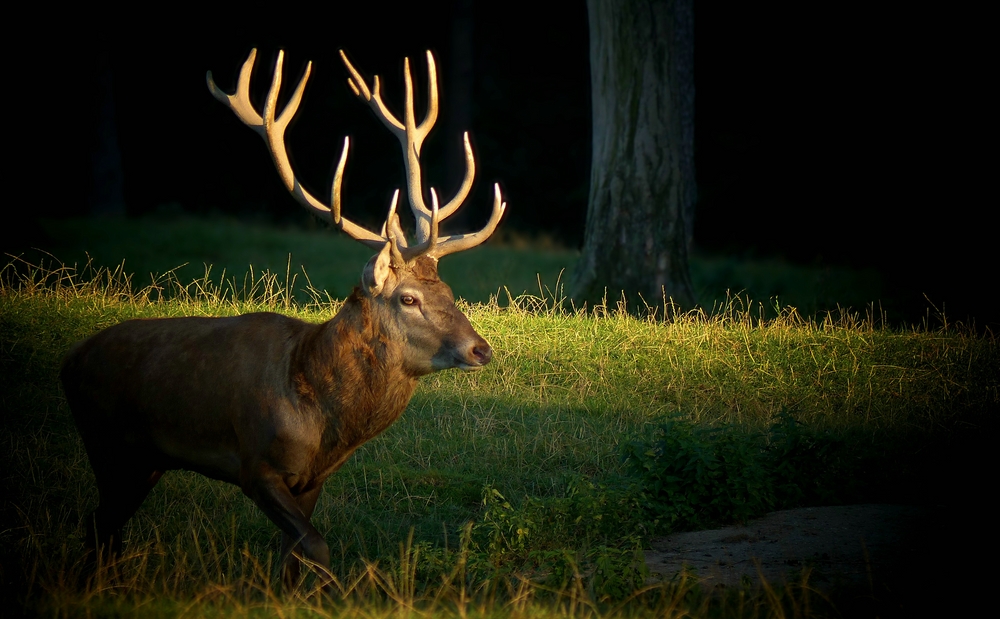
(272, 130)
(411, 138)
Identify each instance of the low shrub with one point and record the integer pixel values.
(689, 476)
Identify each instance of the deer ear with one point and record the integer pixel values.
(377, 271)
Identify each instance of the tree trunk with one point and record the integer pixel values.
(642, 187)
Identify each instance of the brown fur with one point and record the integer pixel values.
(267, 402)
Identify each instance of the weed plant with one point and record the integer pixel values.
(528, 489)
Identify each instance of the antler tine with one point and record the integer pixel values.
(392, 231)
(374, 99)
(239, 102)
(392, 211)
(461, 242)
(420, 131)
(272, 130)
(463, 190)
(397, 228)
(427, 245)
(338, 179)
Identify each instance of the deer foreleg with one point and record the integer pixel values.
(307, 503)
(270, 492)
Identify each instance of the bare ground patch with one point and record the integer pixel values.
(861, 547)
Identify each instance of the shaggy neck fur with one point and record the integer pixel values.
(351, 368)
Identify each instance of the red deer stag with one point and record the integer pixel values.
(269, 403)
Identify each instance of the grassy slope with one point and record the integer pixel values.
(563, 395)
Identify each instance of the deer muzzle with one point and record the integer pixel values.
(469, 355)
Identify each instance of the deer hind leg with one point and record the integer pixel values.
(123, 485)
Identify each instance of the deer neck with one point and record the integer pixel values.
(352, 368)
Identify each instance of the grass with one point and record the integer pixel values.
(523, 490)
(332, 262)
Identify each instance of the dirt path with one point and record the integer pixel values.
(853, 545)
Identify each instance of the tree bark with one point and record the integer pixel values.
(642, 186)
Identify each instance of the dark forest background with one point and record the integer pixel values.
(825, 134)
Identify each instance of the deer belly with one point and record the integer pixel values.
(213, 458)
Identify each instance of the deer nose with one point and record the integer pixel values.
(482, 353)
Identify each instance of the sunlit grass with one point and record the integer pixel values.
(332, 262)
(565, 391)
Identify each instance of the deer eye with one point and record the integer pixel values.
(408, 299)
